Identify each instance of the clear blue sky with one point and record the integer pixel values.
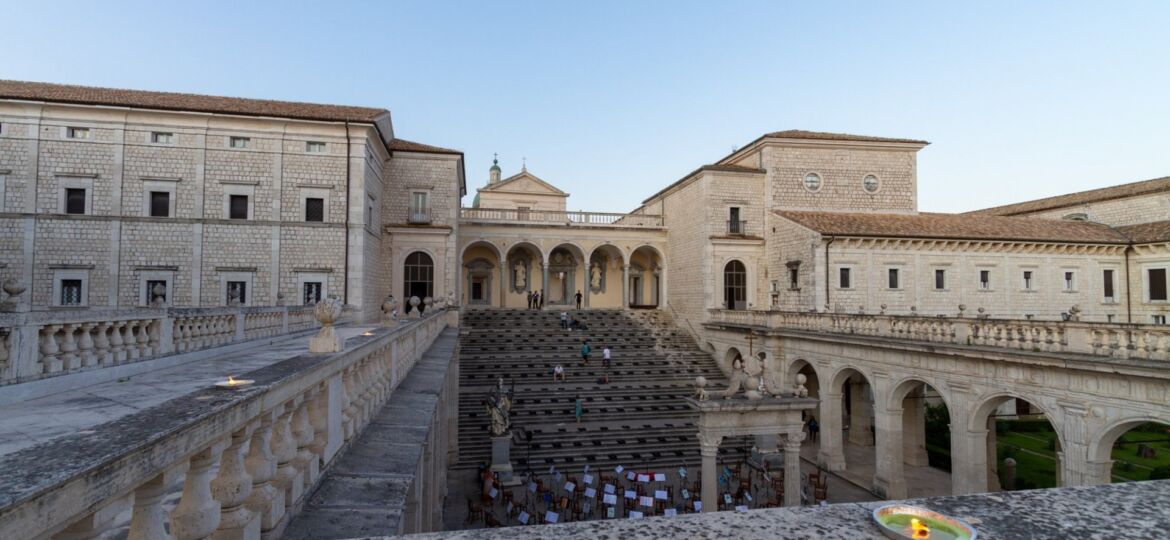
(613, 100)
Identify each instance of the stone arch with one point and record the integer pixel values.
(730, 355)
(532, 247)
(603, 276)
(981, 427)
(645, 287)
(860, 409)
(1100, 445)
(481, 243)
(908, 397)
(565, 270)
(726, 266)
(905, 385)
(528, 256)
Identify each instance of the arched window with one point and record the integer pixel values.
(419, 274)
(735, 285)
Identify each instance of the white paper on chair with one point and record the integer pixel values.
(589, 479)
(643, 478)
(698, 506)
(590, 492)
(747, 496)
(493, 493)
(609, 499)
(631, 476)
(630, 494)
(634, 514)
(523, 517)
(686, 494)
(670, 512)
(610, 489)
(646, 501)
(551, 517)
(509, 507)
(619, 469)
(660, 495)
(569, 486)
(727, 498)
(660, 477)
(532, 487)
(682, 472)
(741, 508)
(609, 512)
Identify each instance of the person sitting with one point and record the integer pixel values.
(559, 372)
(574, 324)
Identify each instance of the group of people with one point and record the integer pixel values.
(572, 323)
(536, 299)
(606, 358)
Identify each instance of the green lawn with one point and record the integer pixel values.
(1041, 469)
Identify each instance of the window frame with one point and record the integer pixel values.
(245, 143)
(1148, 280)
(65, 183)
(144, 279)
(312, 277)
(877, 184)
(738, 284)
(73, 132)
(1027, 280)
(249, 279)
(314, 193)
(985, 285)
(310, 145)
(820, 181)
(1109, 285)
(59, 277)
(845, 277)
(893, 278)
(157, 136)
(238, 189)
(161, 185)
(940, 279)
(1068, 280)
(410, 273)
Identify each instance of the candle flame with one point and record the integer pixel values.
(232, 381)
(918, 530)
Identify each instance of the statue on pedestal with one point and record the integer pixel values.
(327, 340)
(499, 408)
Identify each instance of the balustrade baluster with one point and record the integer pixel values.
(319, 419)
(85, 345)
(69, 358)
(284, 446)
(129, 341)
(232, 487)
(154, 331)
(50, 360)
(265, 500)
(148, 518)
(197, 515)
(347, 407)
(142, 333)
(306, 461)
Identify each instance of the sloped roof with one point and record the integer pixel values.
(1132, 189)
(955, 226)
(502, 184)
(173, 101)
(826, 136)
(714, 167)
(1144, 233)
(404, 145)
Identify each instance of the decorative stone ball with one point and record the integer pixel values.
(1009, 462)
(428, 301)
(13, 287)
(883, 306)
(414, 301)
(962, 307)
(1076, 308)
(328, 311)
(980, 310)
(801, 379)
(389, 304)
(233, 294)
(913, 309)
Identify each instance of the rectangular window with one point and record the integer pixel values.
(156, 290)
(238, 289)
(893, 278)
(418, 207)
(734, 225)
(70, 292)
(1107, 281)
(160, 137)
(844, 278)
(793, 278)
(1027, 280)
(940, 279)
(312, 292)
(1157, 283)
(313, 147)
(160, 204)
(1069, 281)
(77, 133)
(314, 209)
(1159, 319)
(985, 279)
(74, 200)
(238, 207)
(240, 142)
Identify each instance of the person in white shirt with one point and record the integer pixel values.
(559, 372)
(605, 356)
(564, 320)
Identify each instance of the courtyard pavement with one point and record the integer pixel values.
(859, 469)
(40, 420)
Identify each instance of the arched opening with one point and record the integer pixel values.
(566, 276)
(418, 274)
(481, 275)
(856, 424)
(731, 357)
(645, 278)
(1131, 450)
(522, 267)
(812, 383)
(734, 285)
(1023, 447)
(604, 276)
(926, 438)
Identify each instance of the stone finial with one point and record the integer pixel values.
(451, 301)
(327, 340)
(701, 388)
(280, 299)
(861, 310)
(913, 310)
(414, 302)
(158, 295)
(962, 309)
(233, 296)
(428, 303)
(1074, 312)
(390, 311)
(883, 310)
(799, 390)
(12, 288)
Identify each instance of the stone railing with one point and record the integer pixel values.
(243, 459)
(40, 344)
(1114, 340)
(553, 217)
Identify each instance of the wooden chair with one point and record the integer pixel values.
(491, 521)
(474, 511)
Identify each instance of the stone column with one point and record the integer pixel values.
(792, 468)
(889, 480)
(231, 488)
(914, 429)
(831, 455)
(625, 285)
(197, 515)
(990, 456)
(544, 283)
(149, 517)
(860, 413)
(709, 449)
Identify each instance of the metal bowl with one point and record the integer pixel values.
(957, 528)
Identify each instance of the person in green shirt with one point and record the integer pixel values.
(579, 409)
(585, 351)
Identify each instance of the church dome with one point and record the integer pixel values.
(475, 201)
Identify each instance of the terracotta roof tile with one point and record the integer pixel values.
(824, 136)
(1081, 197)
(404, 145)
(955, 226)
(1144, 233)
(172, 101)
(716, 167)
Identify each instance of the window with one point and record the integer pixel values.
(75, 200)
(940, 279)
(311, 292)
(239, 142)
(1027, 280)
(238, 207)
(812, 182)
(160, 204)
(985, 279)
(159, 137)
(156, 289)
(418, 207)
(892, 275)
(314, 147)
(1077, 217)
(1158, 319)
(870, 183)
(77, 133)
(1070, 281)
(1157, 283)
(735, 285)
(794, 277)
(418, 274)
(314, 209)
(843, 280)
(1107, 281)
(70, 292)
(237, 293)
(734, 225)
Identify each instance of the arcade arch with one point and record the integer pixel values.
(483, 274)
(521, 273)
(1137, 456)
(565, 275)
(989, 452)
(604, 277)
(645, 277)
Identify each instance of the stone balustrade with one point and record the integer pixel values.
(556, 217)
(243, 459)
(1113, 340)
(40, 344)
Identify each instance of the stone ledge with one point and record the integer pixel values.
(1131, 510)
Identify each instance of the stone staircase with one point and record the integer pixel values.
(638, 419)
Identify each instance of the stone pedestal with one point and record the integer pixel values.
(326, 341)
(502, 459)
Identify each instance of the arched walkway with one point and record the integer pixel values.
(1134, 458)
(482, 275)
(565, 275)
(1035, 446)
(903, 438)
(604, 277)
(521, 273)
(645, 278)
(848, 419)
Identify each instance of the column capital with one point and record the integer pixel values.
(793, 439)
(709, 443)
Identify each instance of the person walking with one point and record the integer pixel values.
(585, 351)
(605, 356)
(578, 408)
(529, 299)
(813, 428)
(578, 296)
(535, 299)
(541, 299)
(564, 320)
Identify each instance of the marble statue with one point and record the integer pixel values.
(738, 379)
(595, 279)
(499, 408)
(521, 276)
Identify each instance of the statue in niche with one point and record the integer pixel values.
(521, 275)
(595, 277)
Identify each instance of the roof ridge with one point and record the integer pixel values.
(1119, 191)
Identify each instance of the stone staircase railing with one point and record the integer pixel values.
(1113, 340)
(243, 459)
(39, 344)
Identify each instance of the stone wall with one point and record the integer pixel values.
(841, 170)
(1116, 212)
